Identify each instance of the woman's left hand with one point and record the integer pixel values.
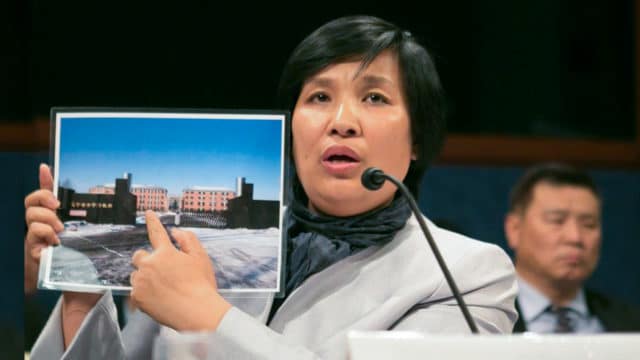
(176, 287)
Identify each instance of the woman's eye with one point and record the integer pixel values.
(376, 98)
(319, 97)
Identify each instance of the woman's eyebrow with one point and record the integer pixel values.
(319, 81)
(367, 80)
(376, 80)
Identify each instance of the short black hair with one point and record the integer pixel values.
(553, 173)
(365, 37)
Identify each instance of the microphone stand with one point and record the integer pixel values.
(373, 179)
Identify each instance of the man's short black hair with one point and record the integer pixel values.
(363, 38)
(553, 173)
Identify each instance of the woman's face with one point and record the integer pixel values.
(345, 122)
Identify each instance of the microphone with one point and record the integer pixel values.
(373, 179)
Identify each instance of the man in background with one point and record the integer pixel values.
(554, 229)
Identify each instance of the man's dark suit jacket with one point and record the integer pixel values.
(613, 315)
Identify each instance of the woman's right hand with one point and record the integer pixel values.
(42, 226)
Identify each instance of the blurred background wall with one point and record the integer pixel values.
(525, 82)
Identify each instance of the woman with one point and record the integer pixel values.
(363, 93)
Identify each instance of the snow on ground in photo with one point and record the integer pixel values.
(243, 258)
(100, 254)
(82, 228)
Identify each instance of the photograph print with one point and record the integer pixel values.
(217, 174)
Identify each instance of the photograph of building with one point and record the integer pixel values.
(197, 185)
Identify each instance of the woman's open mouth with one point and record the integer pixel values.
(340, 160)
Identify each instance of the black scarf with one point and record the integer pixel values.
(315, 241)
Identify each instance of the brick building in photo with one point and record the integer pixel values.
(237, 207)
(149, 197)
(206, 199)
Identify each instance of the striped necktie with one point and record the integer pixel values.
(563, 321)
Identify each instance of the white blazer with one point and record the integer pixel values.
(374, 289)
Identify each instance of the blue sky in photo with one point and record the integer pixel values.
(172, 153)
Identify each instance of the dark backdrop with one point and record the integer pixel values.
(539, 68)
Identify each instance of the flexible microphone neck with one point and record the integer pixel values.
(373, 179)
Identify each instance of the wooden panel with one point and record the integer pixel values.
(459, 149)
(504, 150)
(33, 136)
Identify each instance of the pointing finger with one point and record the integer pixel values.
(157, 234)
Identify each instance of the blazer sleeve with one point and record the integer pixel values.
(486, 279)
(97, 337)
(239, 336)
